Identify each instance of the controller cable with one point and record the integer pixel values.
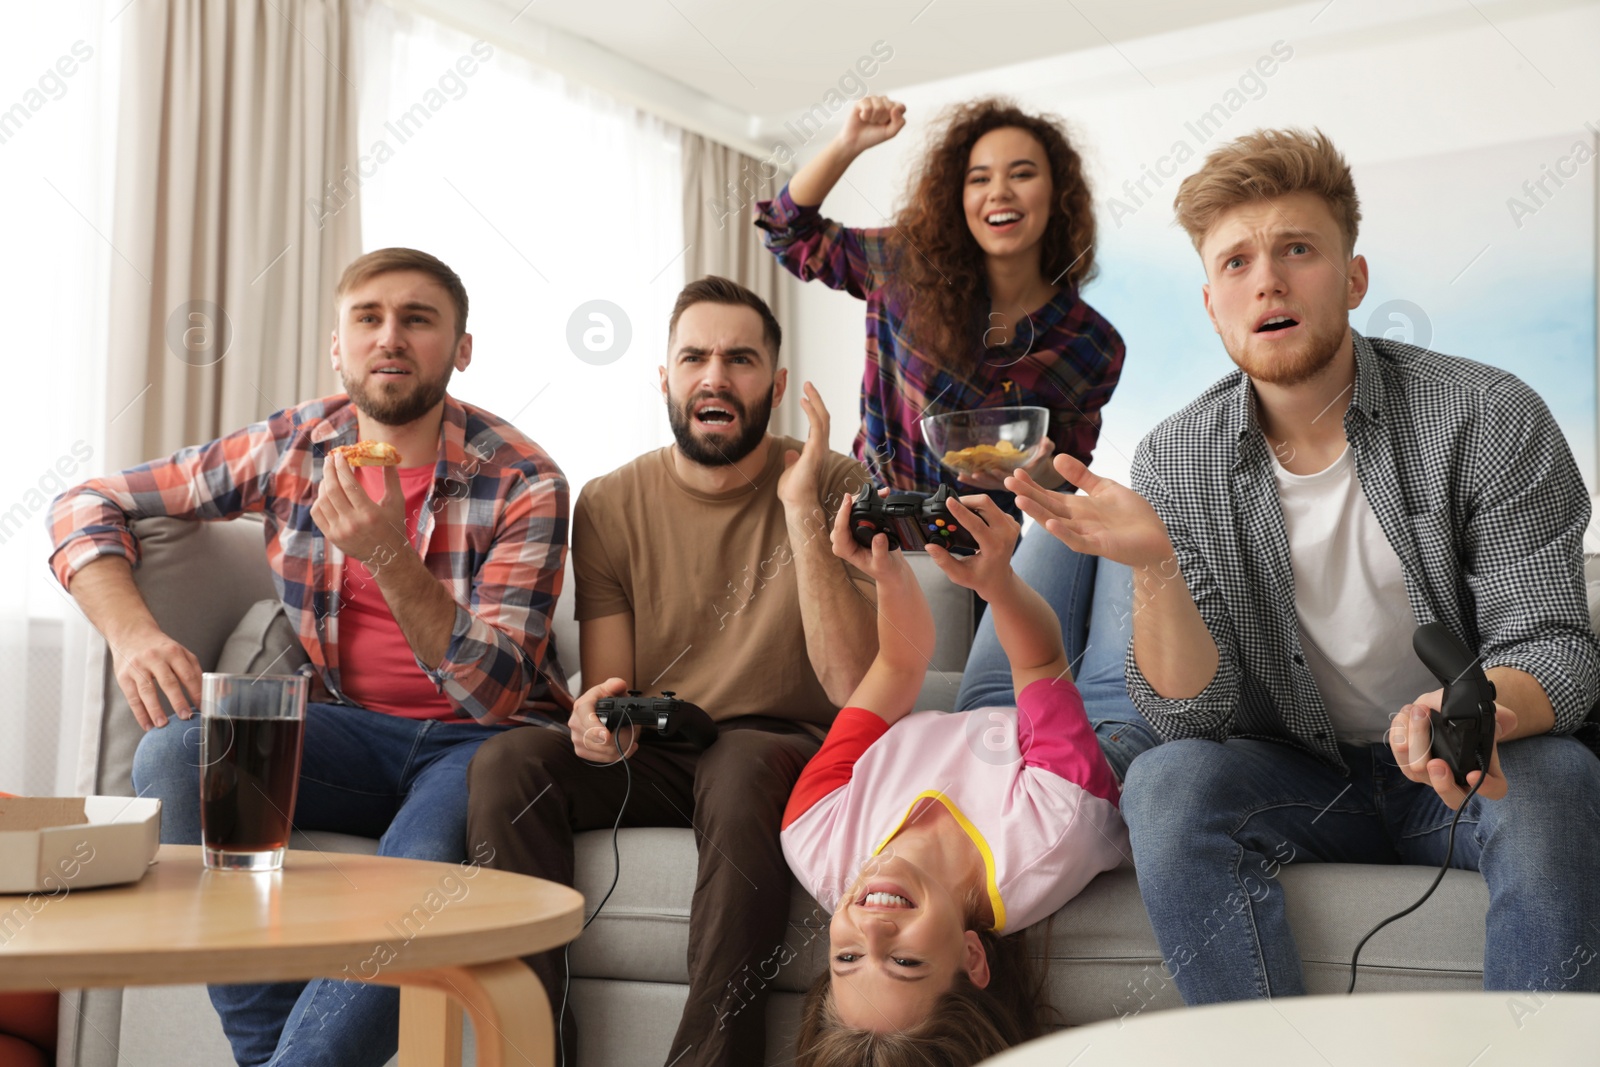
(1449, 851)
(616, 873)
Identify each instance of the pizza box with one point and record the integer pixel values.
(57, 844)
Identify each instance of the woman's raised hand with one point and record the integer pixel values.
(870, 121)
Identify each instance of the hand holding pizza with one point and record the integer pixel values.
(373, 532)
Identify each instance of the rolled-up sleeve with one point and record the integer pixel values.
(221, 479)
(1210, 713)
(1523, 556)
(499, 661)
(812, 247)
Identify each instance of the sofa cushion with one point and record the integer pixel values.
(200, 578)
(326, 841)
(1100, 951)
(262, 643)
(954, 611)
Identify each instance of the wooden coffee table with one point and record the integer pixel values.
(439, 931)
(1416, 1029)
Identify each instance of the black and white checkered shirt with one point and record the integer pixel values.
(1472, 483)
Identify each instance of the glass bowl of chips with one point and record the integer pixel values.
(984, 445)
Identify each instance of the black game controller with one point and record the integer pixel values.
(671, 719)
(912, 521)
(1463, 730)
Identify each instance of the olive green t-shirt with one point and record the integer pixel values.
(710, 582)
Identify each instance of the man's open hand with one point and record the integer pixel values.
(1103, 518)
(802, 471)
(373, 532)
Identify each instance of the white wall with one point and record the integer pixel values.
(1386, 81)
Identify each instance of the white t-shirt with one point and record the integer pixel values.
(1350, 596)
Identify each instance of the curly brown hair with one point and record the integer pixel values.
(966, 1025)
(940, 266)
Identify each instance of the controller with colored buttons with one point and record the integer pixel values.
(912, 521)
(671, 719)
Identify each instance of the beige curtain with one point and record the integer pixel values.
(720, 188)
(236, 209)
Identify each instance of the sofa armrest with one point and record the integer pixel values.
(198, 578)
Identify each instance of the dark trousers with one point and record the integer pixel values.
(529, 793)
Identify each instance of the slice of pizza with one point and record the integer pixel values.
(370, 454)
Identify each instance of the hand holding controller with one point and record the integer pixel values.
(1464, 726)
(669, 718)
(1460, 733)
(911, 521)
(1446, 739)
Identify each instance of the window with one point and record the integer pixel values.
(56, 139)
(548, 200)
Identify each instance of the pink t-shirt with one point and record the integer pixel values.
(377, 668)
(1027, 784)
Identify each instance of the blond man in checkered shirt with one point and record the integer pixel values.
(1289, 530)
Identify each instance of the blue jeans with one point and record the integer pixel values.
(1093, 598)
(1211, 824)
(402, 781)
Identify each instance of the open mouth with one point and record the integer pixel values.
(714, 414)
(1277, 323)
(1003, 220)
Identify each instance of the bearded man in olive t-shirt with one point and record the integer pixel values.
(702, 568)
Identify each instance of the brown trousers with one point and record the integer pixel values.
(529, 793)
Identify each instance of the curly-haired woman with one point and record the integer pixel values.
(972, 302)
(972, 295)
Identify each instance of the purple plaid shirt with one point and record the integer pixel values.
(1068, 362)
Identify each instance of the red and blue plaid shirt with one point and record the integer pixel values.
(493, 530)
(1066, 358)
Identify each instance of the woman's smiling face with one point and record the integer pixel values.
(896, 944)
(1007, 191)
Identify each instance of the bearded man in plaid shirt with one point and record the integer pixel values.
(421, 596)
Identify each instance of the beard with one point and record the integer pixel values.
(388, 403)
(1295, 366)
(709, 453)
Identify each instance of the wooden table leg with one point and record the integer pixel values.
(511, 1021)
(430, 1028)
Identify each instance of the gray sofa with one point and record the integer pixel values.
(629, 968)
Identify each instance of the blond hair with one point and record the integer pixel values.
(1265, 165)
(389, 260)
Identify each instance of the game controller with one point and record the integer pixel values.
(1463, 728)
(911, 521)
(671, 719)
